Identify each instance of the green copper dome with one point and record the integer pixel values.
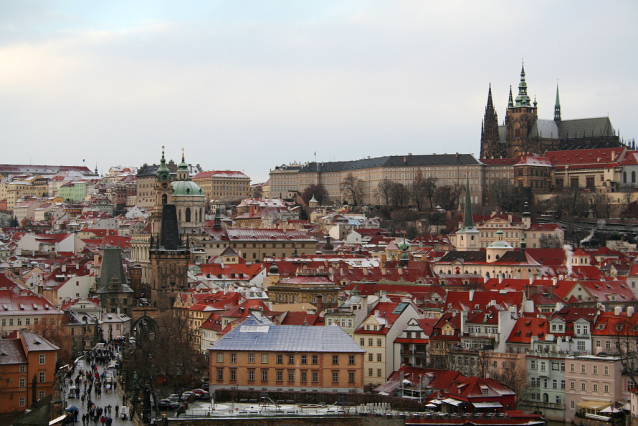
(186, 188)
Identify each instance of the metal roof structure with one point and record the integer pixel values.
(259, 334)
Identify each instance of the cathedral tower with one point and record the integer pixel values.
(490, 143)
(521, 116)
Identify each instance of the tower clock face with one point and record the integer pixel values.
(164, 185)
(517, 125)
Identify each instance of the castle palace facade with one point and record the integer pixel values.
(524, 133)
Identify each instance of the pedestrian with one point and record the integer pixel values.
(117, 407)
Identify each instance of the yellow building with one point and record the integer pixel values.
(268, 357)
(448, 169)
(223, 184)
(32, 186)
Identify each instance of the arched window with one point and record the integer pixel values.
(188, 214)
(624, 177)
(164, 199)
(633, 177)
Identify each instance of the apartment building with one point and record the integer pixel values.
(27, 367)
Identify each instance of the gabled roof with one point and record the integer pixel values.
(526, 328)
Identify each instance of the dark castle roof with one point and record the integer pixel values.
(392, 161)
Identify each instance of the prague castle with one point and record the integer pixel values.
(522, 132)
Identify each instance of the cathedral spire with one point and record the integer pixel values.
(489, 97)
(510, 103)
(557, 107)
(522, 99)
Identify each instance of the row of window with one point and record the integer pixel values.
(538, 382)
(303, 359)
(279, 374)
(583, 369)
(23, 321)
(583, 387)
(362, 342)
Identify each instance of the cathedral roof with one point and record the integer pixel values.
(546, 129)
(586, 127)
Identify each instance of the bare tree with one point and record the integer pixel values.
(399, 195)
(448, 196)
(318, 191)
(625, 341)
(352, 189)
(384, 188)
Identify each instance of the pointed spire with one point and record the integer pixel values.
(557, 107)
(510, 103)
(489, 97)
(182, 169)
(522, 99)
(468, 219)
(163, 173)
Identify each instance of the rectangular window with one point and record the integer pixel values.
(378, 372)
(378, 357)
(571, 367)
(572, 385)
(291, 375)
(370, 372)
(264, 358)
(315, 376)
(304, 359)
(370, 342)
(42, 359)
(280, 376)
(233, 358)
(606, 388)
(362, 341)
(315, 359)
(370, 357)
(251, 358)
(350, 377)
(23, 369)
(350, 359)
(264, 375)
(23, 382)
(606, 370)
(42, 377)
(378, 342)
(291, 358)
(21, 402)
(280, 359)
(304, 376)
(251, 375)
(220, 374)
(595, 387)
(335, 360)
(572, 404)
(233, 375)
(583, 386)
(220, 357)
(595, 367)
(335, 377)
(582, 368)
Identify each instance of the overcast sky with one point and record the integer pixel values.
(249, 85)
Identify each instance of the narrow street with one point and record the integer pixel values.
(109, 403)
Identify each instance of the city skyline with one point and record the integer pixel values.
(249, 86)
